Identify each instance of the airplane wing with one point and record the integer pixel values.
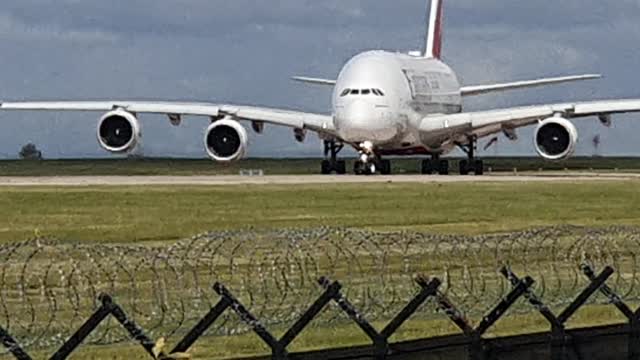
(294, 119)
(459, 127)
(484, 89)
(315, 81)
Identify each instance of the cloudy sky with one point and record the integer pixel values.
(244, 51)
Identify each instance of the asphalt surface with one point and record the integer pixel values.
(304, 179)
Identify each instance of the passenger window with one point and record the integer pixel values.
(345, 92)
(377, 92)
(366, 91)
(355, 92)
(381, 93)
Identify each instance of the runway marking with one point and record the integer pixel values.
(300, 179)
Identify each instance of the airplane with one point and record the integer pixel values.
(383, 104)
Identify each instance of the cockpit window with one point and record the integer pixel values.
(376, 92)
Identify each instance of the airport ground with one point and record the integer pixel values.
(162, 214)
(204, 167)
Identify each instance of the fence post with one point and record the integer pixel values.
(634, 337)
(203, 325)
(456, 316)
(12, 345)
(331, 291)
(429, 288)
(557, 343)
(633, 317)
(380, 343)
(476, 347)
(278, 352)
(132, 328)
(582, 298)
(85, 330)
(488, 321)
(558, 332)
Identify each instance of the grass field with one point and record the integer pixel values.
(279, 166)
(137, 214)
(158, 216)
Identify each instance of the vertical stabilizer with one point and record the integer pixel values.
(433, 48)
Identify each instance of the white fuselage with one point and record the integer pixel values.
(382, 97)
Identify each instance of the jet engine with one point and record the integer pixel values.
(226, 140)
(118, 131)
(300, 135)
(556, 138)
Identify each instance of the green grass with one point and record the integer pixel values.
(134, 214)
(278, 166)
(157, 216)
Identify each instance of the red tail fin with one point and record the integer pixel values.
(433, 48)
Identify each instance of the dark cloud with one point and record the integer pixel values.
(244, 51)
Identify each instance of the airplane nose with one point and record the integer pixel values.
(360, 121)
(358, 112)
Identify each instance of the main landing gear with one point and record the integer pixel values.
(471, 164)
(435, 165)
(331, 163)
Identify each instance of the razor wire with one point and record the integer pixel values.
(49, 287)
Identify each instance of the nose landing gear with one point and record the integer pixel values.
(368, 162)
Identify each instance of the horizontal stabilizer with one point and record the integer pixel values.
(316, 81)
(484, 89)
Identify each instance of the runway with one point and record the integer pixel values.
(304, 179)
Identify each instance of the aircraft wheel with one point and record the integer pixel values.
(341, 167)
(443, 168)
(370, 169)
(464, 167)
(479, 167)
(427, 167)
(326, 167)
(385, 167)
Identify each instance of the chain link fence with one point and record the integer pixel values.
(48, 287)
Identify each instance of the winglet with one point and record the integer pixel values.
(433, 45)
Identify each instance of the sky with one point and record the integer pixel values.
(245, 51)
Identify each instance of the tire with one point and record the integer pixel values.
(341, 167)
(385, 167)
(464, 167)
(358, 168)
(427, 167)
(370, 169)
(479, 167)
(443, 167)
(326, 167)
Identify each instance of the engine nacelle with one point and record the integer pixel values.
(300, 135)
(118, 131)
(556, 138)
(226, 140)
